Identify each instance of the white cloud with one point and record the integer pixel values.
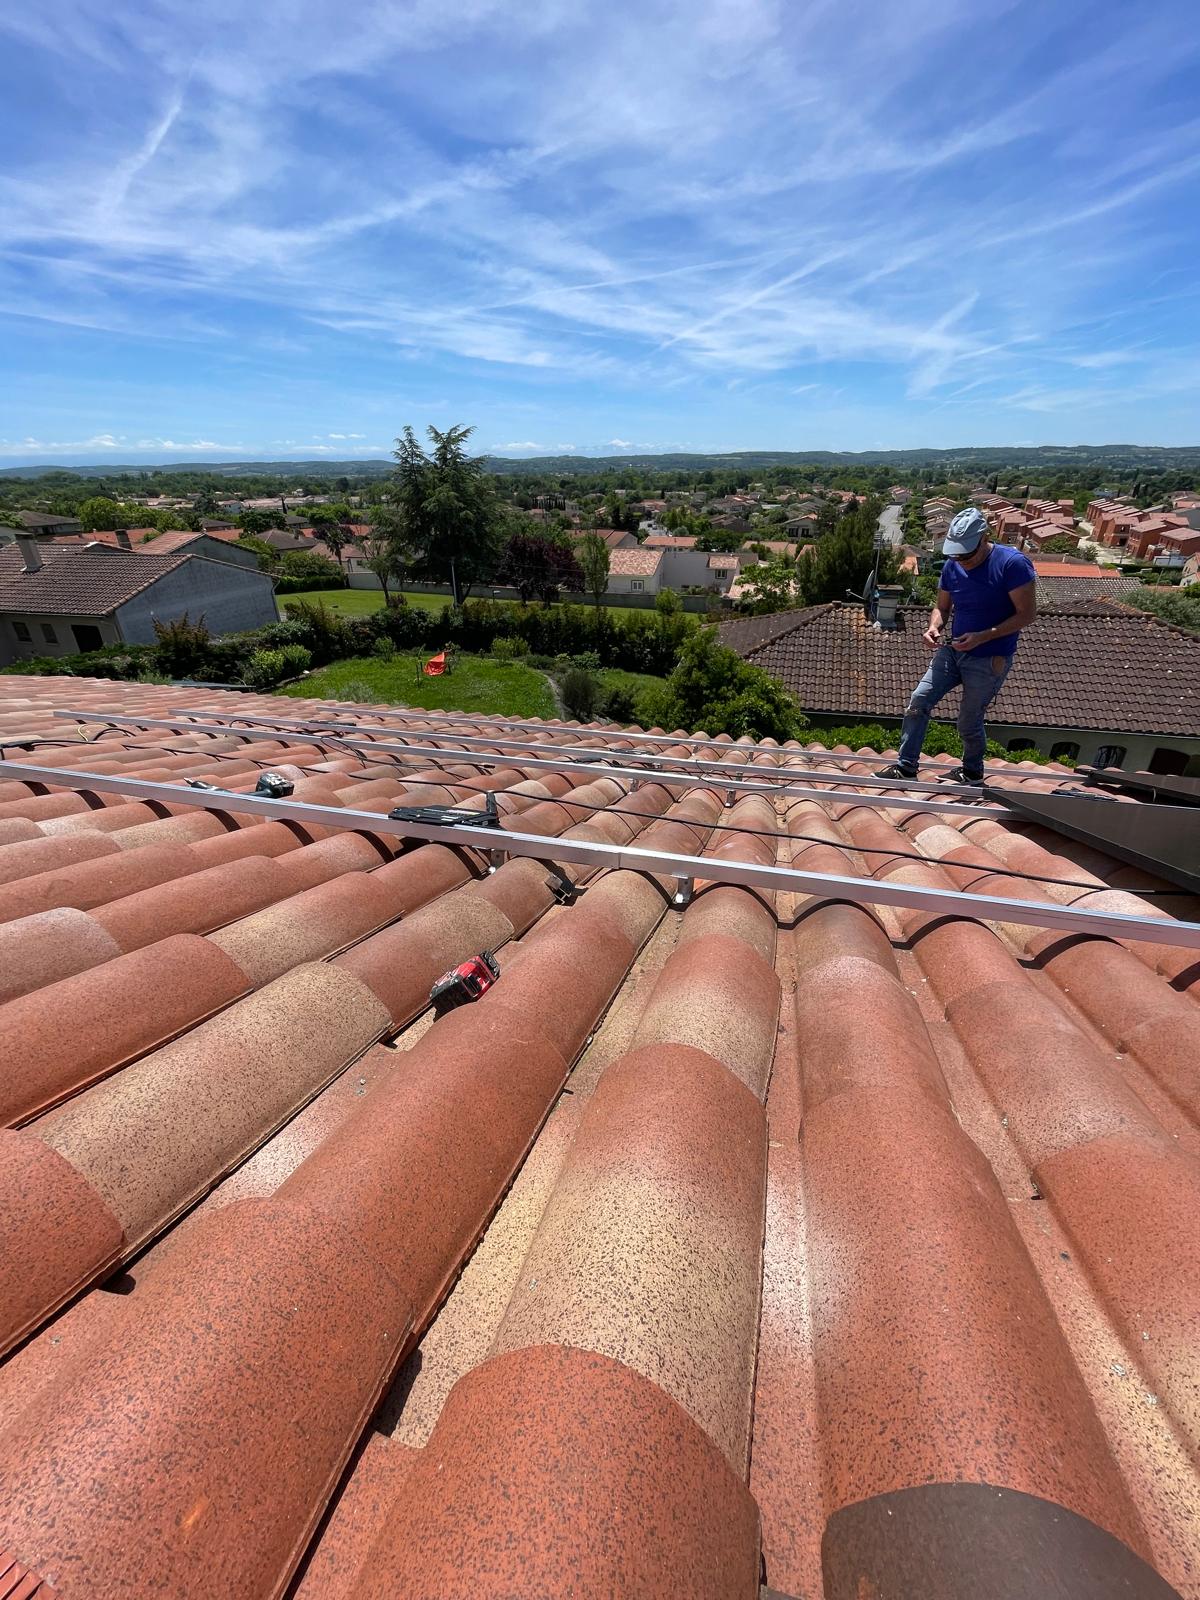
(621, 444)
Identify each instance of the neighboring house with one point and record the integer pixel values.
(1100, 683)
(635, 571)
(44, 524)
(1066, 583)
(56, 600)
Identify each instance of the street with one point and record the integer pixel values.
(889, 524)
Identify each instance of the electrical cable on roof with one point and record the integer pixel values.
(862, 850)
(653, 816)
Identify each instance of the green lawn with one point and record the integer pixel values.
(476, 684)
(358, 602)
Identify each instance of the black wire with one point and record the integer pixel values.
(656, 816)
(814, 838)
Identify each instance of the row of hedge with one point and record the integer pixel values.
(637, 641)
(941, 739)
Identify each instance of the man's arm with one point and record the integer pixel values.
(938, 618)
(1024, 602)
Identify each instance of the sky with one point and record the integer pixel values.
(286, 229)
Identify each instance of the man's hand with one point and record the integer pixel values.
(968, 641)
(932, 637)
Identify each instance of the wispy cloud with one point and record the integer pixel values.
(671, 219)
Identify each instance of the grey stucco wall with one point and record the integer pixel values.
(230, 599)
(64, 642)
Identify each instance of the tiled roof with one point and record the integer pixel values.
(77, 582)
(1065, 589)
(634, 563)
(669, 541)
(848, 1244)
(1098, 667)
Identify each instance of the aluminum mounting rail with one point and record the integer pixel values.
(685, 869)
(712, 747)
(714, 775)
(657, 766)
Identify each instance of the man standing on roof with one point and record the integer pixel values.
(992, 591)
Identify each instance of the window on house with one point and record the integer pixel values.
(1110, 755)
(87, 635)
(1021, 742)
(636, 586)
(48, 633)
(1065, 747)
(1168, 761)
(21, 630)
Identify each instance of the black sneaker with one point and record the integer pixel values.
(898, 771)
(959, 775)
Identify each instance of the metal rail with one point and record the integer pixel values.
(713, 775)
(685, 766)
(715, 750)
(685, 869)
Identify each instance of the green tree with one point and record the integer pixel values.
(667, 603)
(451, 510)
(102, 515)
(714, 690)
(260, 522)
(1062, 544)
(384, 552)
(594, 563)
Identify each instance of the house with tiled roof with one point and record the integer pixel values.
(780, 1237)
(42, 524)
(1096, 683)
(57, 600)
(636, 571)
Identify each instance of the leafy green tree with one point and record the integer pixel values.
(667, 603)
(1062, 544)
(307, 564)
(594, 564)
(266, 556)
(384, 551)
(772, 586)
(102, 515)
(714, 690)
(452, 513)
(260, 522)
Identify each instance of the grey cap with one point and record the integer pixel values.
(964, 533)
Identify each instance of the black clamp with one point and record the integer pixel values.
(450, 816)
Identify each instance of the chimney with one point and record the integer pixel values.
(31, 556)
(887, 598)
(123, 539)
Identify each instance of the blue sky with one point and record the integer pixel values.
(288, 228)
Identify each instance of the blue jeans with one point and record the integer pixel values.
(981, 677)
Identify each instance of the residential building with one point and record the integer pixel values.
(56, 601)
(1098, 682)
(44, 524)
(635, 572)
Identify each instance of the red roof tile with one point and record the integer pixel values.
(844, 1238)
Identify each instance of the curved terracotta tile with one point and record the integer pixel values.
(401, 963)
(42, 949)
(34, 857)
(157, 1135)
(718, 995)
(650, 1249)
(938, 1356)
(219, 1413)
(58, 1233)
(552, 1466)
(104, 1014)
(191, 904)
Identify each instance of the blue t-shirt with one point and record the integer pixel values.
(981, 596)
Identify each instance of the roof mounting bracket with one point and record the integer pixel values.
(730, 797)
(685, 888)
(199, 783)
(450, 816)
(565, 890)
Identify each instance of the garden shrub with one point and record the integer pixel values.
(384, 648)
(508, 647)
(580, 692)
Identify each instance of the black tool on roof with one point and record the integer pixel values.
(450, 816)
(464, 983)
(274, 785)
